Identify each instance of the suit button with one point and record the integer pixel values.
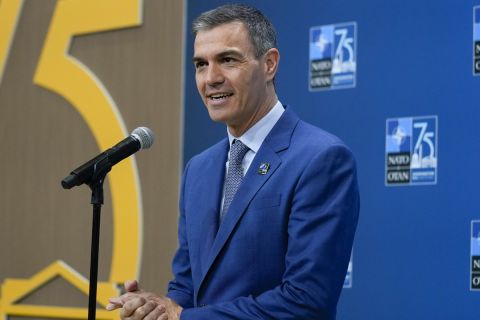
(203, 305)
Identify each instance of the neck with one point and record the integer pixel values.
(260, 112)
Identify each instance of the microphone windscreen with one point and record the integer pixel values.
(145, 136)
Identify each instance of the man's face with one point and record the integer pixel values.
(230, 79)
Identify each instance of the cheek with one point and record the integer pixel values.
(198, 83)
(200, 80)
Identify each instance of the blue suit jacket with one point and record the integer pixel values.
(283, 248)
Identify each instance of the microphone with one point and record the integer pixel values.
(140, 138)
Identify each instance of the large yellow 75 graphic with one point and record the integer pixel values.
(68, 77)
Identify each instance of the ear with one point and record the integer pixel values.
(272, 58)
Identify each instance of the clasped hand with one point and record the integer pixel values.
(137, 304)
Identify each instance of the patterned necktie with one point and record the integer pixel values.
(234, 174)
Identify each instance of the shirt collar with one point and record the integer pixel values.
(253, 137)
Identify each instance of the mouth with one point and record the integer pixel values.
(219, 96)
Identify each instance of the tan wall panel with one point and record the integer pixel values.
(43, 138)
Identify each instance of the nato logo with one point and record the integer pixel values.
(411, 151)
(475, 256)
(347, 283)
(333, 61)
(476, 40)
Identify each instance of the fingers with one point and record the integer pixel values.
(140, 308)
(131, 285)
(118, 302)
(112, 306)
(164, 316)
(158, 313)
(115, 303)
(136, 304)
(132, 306)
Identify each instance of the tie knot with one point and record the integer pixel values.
(237, 151)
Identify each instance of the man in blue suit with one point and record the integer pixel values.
(268, 214)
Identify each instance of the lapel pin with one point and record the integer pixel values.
(263, 169)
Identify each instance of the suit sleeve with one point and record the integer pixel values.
(321, 227)
(180, 289)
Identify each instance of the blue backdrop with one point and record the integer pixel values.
(415, 61)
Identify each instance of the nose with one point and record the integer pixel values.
(214, 75)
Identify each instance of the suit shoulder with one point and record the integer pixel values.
(316, 139)
(312, 146)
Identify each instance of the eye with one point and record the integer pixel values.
(200, 64)
(228, 60)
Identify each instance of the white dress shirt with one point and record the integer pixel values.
(254, 137)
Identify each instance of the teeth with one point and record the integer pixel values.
(219, 96)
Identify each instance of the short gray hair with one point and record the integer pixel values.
(260, 29)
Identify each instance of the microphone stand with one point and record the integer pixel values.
(102, 167)
(93, 174)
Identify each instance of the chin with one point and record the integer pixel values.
(217, 115)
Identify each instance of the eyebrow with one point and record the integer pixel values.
(222, 54)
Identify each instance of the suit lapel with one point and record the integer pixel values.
(251, 183)
(277, 140)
